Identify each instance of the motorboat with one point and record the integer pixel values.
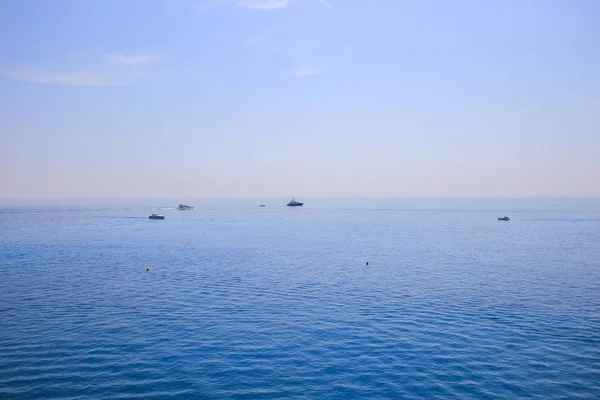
(156, 216)
(262, 205)
(503, 218)
(185, 207)
(294, 203)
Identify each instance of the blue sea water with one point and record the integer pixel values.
(278, 302)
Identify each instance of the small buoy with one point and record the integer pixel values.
(367, 263)
(147, 268)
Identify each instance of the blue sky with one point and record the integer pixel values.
(114, 98)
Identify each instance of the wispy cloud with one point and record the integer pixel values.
(131, 59)
(327, 4)
(261, 5)
(265, 5)
(102, 75)
(302, 72)
(77, 78)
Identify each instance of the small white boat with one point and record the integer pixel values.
(185, 207)
(156, 216)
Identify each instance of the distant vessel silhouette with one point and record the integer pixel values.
(294, 203)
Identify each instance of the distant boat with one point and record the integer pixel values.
(294, 203)
(185, 207)
(262, 205)
(156, 216)
(503, 219)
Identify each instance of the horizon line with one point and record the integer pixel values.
(428, 197)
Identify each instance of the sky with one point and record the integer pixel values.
(432, 98)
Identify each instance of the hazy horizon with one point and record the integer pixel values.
(187, 199)
(291, 98)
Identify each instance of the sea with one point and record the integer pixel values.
(343, 298)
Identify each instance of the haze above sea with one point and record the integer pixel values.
(242, 301)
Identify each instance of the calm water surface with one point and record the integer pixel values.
(277, 302)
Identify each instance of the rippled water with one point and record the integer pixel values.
(277, 302)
